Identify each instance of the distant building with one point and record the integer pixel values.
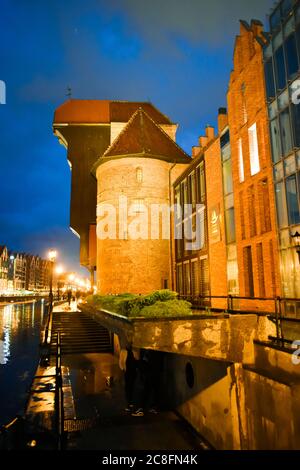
(20, 271)
(3, 268)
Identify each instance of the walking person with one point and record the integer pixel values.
(69, 297)
(128, 362)
(148, 382)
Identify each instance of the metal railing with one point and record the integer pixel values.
(278, 314)
(59, 397)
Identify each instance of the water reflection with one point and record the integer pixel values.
(19, 353)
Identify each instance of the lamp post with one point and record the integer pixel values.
(296, 243)
(59, 271)
(52, 257)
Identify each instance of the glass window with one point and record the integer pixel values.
(269, 79)
(226, 152)
(273, 109)
(298, 14)
(289, 27)
(278, 40)
(286, 7)
(278, 172)
(138, 206)
(295, 91)
(201, 183)
(225, 139)
(232, 270)
(286, 135)
(187, 279)
(275, 140)
(298, 40)
(230, 225)
(283, 100)
(229, 201)
(281, 205)
(179, 279)
(292, 200)
(241, 161)
(291, 55)
(253, 147)
(139, 175)
(275, 19)
(185, 192)
(290, 165)
(193, 189)
(280, 69)
(296, 123)
(268, 51)
(227, 177)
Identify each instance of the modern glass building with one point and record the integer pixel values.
(282, 74)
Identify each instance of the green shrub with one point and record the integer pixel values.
(159, 303)
(168, 308)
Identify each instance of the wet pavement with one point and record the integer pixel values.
(98, 391)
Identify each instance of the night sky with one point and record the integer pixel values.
(175, 53)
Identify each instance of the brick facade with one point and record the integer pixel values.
(256, 231)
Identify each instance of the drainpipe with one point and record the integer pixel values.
(171, 250)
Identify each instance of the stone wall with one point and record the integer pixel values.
(128, 265)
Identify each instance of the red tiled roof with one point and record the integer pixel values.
(83, 111)
(121, 111)
(104, 111)
(143, 136)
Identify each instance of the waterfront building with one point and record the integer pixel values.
(139, 166)
(282, 73)
(252, 180)
(87, 128)
(20, 271)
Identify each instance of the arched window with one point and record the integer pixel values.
(139, 175)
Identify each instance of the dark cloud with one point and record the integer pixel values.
(175, 53)
(211, 21)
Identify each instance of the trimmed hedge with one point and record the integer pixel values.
(160, 303)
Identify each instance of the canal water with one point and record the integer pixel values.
(20, 326)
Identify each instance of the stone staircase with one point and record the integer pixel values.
(79, 334)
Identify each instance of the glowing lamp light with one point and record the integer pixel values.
(59, 269)
(52, 255)
(71, 277)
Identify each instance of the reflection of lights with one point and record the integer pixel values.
(5, 347)
(33, 313)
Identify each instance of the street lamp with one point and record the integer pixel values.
(296, 243)
(52, 257)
